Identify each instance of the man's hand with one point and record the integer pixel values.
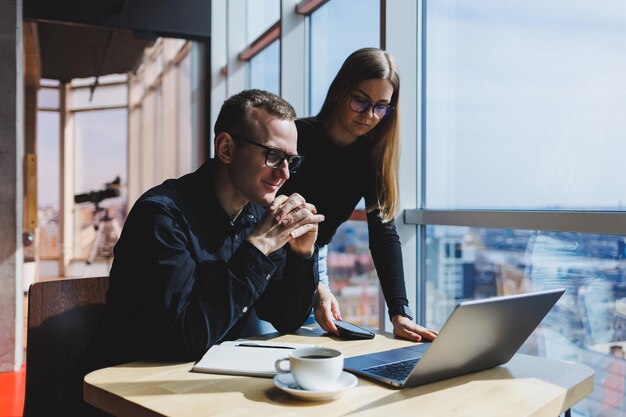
(406, 329)
(326, 309)
(287, 220)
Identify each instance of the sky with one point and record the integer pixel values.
(526, 104)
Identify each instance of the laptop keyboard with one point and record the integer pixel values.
(397, 370)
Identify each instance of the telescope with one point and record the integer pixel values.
(111, 190)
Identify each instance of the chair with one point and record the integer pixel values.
(62, 317)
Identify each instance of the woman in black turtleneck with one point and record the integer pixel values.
(352, 150)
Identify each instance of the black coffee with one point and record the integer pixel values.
(316, 357)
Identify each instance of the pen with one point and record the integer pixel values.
(264, 346)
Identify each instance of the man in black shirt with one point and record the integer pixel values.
(198, 252)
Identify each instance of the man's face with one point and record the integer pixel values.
(248, 172)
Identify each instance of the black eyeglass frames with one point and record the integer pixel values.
(274, 157)
(361, 105)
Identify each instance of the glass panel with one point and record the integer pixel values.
(525, 102)
(103, 96)
(48, 98)
(48, 183)
(352, 275)
(264, 69)
(260, 15)
(587, 325)
(100, 157)
(338, 28)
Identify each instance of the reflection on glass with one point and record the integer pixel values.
(353, 278)
(264, 69)
(101, 139)
(260, 15)
(511, 106)
(587, 325)
(339, 28)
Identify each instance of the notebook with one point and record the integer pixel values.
(479, 334)
(245, 357)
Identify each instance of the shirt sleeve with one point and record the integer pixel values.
(387, 255)
(185, 306)
(288, 300)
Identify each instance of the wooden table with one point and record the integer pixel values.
(525, 386)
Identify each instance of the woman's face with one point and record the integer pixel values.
(368, 93)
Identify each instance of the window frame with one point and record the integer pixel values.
(579, 221)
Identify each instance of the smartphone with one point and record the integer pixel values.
(350, 331)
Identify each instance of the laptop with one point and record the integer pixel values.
(479, 334)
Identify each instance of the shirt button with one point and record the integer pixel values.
(245, 309)
(267, 277)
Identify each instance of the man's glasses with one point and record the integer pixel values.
(361, 105)
(274, 157)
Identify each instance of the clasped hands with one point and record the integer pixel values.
(287, 220)
(294, 221)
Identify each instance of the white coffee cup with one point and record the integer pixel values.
(313, 368)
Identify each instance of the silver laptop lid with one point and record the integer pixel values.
(481, 334)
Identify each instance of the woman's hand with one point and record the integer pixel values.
(406, 329)
(326, 309)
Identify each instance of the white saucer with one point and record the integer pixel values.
(287, 383)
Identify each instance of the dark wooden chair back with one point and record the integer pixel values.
(62, 318)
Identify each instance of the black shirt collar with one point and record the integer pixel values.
(209, 203)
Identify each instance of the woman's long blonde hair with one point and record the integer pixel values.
(367, 64)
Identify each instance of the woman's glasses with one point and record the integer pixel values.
(274, 157)
(361, 105)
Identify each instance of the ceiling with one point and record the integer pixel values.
(68, 52)
(80, 39)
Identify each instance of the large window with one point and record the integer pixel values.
(101, 137)
(164, 97)
(525, 105)
(524, 110)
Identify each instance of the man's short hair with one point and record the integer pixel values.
(234, 114)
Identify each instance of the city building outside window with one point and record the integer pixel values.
(518, 127)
